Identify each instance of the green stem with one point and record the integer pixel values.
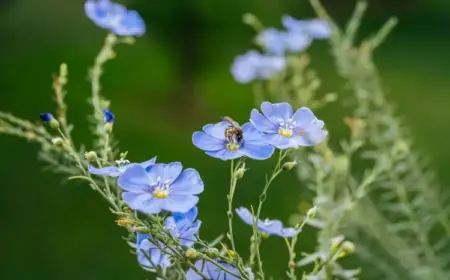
(233, 181)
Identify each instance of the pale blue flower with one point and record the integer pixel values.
(285, 129)
(214, 272)
(162, 187)
(183, 226)
(317, 28)
(214, 142)
(254, 65)
(120, 168)
(279, 42)
(149, 255)
(115, 17)
(271, 227)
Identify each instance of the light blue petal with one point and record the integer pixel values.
(243, 67)
(268, 66)
(288, 232)
(147, 164)
(141, 237)
(319, 29)
(155, 254)
(104, 13)
(310, 137)
(271, 227)
(179, 202)
(303, 116)
(298, 41)
(273, 40)
(165, 172)
(277, 111)
(154, 206)
(217, 130)
(261, 123)
(245, 215)
(225, 154)
(279, 141)
(111, 171)
(188, 237)
(207, 143)
(131, 24)
(257, 152)
(187, 217)
(137, 201)
(134, 179)
(251, 134)
(171, 226)
(189, 182)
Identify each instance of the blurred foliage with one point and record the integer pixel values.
(63, 231)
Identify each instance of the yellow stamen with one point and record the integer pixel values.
(158, 193)
(285, 132)
(232, 147)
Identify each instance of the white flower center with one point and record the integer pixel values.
(160, 189)
(286, 128)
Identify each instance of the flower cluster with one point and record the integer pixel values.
(115, 18)
(277, 127)
(298, 35)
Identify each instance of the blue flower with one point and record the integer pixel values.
(183, 226)
(284, 129)
(271, 227)
(214, 272)
(115, 17)
(162, 187)
(46, 117)
(149, 255)
(254, 65)
(278, 42)
(317, 28)
(109, 116)
(216, 144)
(122, 166)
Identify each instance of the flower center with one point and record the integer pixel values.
(160, 189)
(232, 146)
(286, 128)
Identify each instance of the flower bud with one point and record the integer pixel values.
(212, 253)
(53, 124)
(348, 247)
(311, 212)
(240, 172)
(57, 141)
(231, 253)
(252, 20)
(336, 242)
(191, 253)
(90, 156)
(289, 165)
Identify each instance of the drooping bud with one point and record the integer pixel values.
(289, 165)
(311, 212)
(240, 172)
(348, 247)
(90, 156)
(212, 252)
(191, 253)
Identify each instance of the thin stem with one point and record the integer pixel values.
(233, 181)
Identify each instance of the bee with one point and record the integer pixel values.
(233, 133)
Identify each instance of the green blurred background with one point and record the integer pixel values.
(170, 83)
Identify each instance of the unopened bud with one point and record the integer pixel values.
(53, 123)
(292, 264)
(240, 172)
(311, 212)
(348, 247)
(141, 229)
(191, 253)
(289, 165)
(108, 127)
(231, 253)
(90, 156)
(253, 21)
(57, 141)
(336, 242)
(330, 97)
(212, 253)
(265, 235)
(124, 221)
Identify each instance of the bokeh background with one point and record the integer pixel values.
(171, 82)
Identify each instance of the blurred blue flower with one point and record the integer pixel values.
(254, 65)
(149, 255)
(46, 117)
(183, 226)
(279, 42)
(122, 166)
(213, 272)
(271, 227)
(115, 17)
(109, 116)
(284, 129)
(162, 187)
(214, 142)
(317, 28)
